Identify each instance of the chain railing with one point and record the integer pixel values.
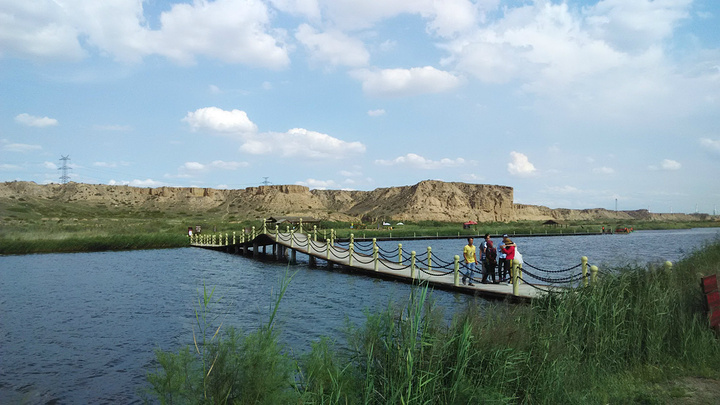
(396, 260)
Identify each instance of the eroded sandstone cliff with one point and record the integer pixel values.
(426, 201)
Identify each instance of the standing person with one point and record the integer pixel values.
(469, 255)
(490, 262)
(509, 250)
(483, 255)
(502, 273)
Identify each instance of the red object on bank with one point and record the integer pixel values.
(710, 288)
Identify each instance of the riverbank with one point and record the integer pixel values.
(640, 336)
(91, 234)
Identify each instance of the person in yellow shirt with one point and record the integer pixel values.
(469, 254)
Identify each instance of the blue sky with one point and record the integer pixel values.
(574, 104)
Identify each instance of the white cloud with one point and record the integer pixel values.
(8, 167)
(603, 170)
(20, 147)
(566, 190)
(318, 184)
(50, 165)
(301, 143)
(118, 128)
(216, 164)
(406, 82)
(419, 162)
(668, 164)
(32, 121)
(219, 120)
(376, 113)
(520, 165)
(332, 47)
(137, 183)
(711, 144)
(227, 30)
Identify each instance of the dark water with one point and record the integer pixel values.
(82, 328)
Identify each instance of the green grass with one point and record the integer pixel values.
(615, 342)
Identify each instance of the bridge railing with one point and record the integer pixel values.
(370, 253)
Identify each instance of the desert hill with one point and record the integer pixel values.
(428, 200)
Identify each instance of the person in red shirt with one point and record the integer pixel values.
(509, 251)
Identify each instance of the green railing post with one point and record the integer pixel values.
(412, 265)
(429, 258)
(375, 257)
(516, 276)
(594, 271)
(351, 248)
(584, 263)
(399, 253)
(457, 270)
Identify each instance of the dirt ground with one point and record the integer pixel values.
(694, 391)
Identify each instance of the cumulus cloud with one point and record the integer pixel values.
(420, 162)
(216, 164)
(219, 120)
(332, 47)
(50, 165)
(668, 164)
(32, 121)
(406, 82)
(604, 170)
(520, 165)
(137, 183)
(712, 145)
(20, 147)
(227, 30)
(376, 113)
(318, 184)
(301, 143)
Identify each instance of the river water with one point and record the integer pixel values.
(82, 328)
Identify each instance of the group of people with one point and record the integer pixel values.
(490, 258)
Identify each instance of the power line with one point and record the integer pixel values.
(64, 177)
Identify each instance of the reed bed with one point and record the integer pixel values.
(615, 342)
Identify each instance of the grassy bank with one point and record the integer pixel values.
(628, 339)
(101, 230)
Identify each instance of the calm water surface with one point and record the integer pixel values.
(82, 328)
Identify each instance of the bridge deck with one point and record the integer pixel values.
(365, 264)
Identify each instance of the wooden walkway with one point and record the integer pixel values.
(285, 246)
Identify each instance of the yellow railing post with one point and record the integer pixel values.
(327, 249)
(292, 238)
(429, 258)
(277, 233)
(264, 225)
(515, 276)
(314, 233)
(213, 239)
(584, 263)
(668, 266)
(233, 237)
(594, 271)
(227, 239)
(332, 237)
(253, 232)
(374, 243)
(351, 248)
(300, 225)
(399, 253)
(412, 265)
(375, 257)
(352, 238)
(457, 270)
